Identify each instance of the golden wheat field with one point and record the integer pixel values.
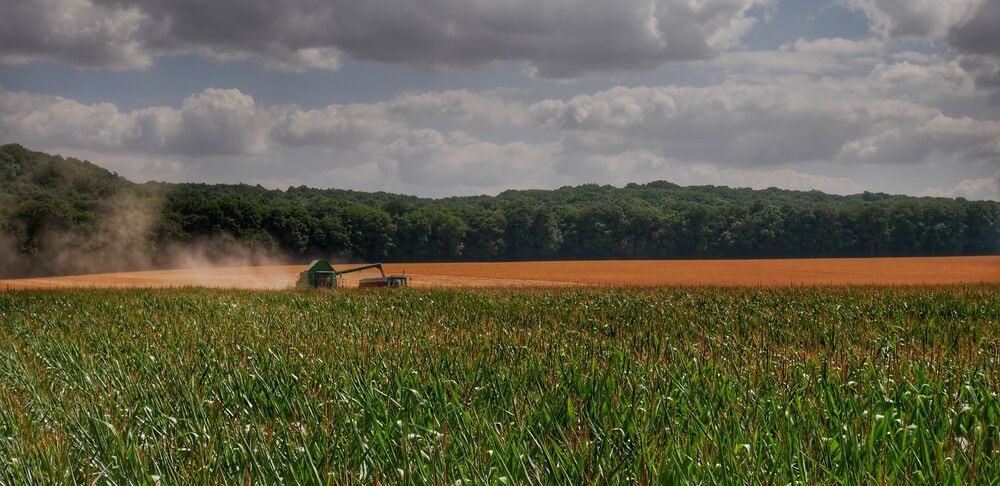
(768, 273)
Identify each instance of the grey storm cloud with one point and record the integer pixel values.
(978, 41)
(981, 33)
(77, 32)
(554, 38)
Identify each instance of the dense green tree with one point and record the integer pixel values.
(370, 231)
(596, 231)
(484, 236)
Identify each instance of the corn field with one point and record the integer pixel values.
(568, 386)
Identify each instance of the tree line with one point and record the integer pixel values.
(49, 199)
(586, 222)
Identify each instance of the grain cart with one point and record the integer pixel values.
(320, 274)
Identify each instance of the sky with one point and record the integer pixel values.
(464, 97)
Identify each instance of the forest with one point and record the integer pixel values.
(61, 215)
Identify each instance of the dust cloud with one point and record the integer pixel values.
(124, 240)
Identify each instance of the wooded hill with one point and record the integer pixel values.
(62, 215)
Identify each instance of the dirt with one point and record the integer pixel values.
(866, 271)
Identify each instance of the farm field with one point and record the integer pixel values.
(798, 272)
(815, 385)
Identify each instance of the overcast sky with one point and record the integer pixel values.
(457, 97)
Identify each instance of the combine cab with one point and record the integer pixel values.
(321, 275)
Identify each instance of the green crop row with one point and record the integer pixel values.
(863, 385)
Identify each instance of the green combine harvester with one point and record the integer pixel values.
(320, 274)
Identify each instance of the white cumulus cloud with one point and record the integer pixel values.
(740, 133)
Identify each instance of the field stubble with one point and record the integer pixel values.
(752, 273)
(501, 386)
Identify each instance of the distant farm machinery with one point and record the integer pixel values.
(320, 274)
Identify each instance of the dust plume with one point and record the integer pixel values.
(127, 237)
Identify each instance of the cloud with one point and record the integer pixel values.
(815, 57)
(213, 122)
(836, 47)
(644, 165)
(299, 60)
(224, 126)
(553, 38)
(229, 122)
(923, 79)
(925, 19)
(979, 34)
(940, 137)
(969, 28)
(741, 125)
(221, 121)
(430, 158)
(792, 179)
(977, 40)
(981, 188)
(463, 106)
(736, 131)
(345, 127)
(76, 32)
(60, 121)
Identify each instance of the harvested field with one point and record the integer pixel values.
(770, 273)
(853, 271)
